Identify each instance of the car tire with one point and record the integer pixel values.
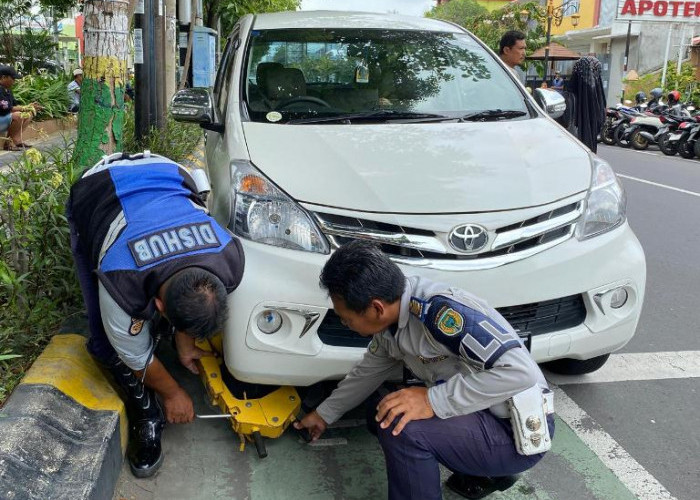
(569, 366)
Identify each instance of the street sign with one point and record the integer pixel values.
(677, 11)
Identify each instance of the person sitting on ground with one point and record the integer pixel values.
(13, 117)
(74, 91)
(471, 360)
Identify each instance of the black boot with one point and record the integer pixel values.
(146, 421)
(474, 487)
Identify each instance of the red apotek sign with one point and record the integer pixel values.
(678, 11)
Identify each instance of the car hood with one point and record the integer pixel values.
(421, 168)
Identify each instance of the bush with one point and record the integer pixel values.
(51, 92)
(38, 288)
(176, 141)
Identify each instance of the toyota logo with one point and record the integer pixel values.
(468, 238)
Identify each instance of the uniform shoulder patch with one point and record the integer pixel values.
(468, 332)
(373, 346)
(136, 326)
(449, 321)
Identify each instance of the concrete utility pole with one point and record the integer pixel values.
(170, 50)
(159, 61)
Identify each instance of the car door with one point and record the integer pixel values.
(217, 151)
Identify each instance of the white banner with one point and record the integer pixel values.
(676, 11)
(138, 46)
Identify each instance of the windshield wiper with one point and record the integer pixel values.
(493, 114)
(381, 115)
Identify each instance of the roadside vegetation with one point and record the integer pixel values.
(38, 287)
(685, 83)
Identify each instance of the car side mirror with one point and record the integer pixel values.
(551, 101)
(195, 105)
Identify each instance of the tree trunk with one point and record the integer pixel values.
(101, 118)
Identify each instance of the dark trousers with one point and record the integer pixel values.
(98, 345)
(478, 444)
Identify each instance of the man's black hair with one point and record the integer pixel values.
(359, 272)
(509, 39)
(195, 302)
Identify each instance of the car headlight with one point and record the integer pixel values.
(261, 212)
(606, 203)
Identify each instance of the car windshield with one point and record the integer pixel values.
(298, 76)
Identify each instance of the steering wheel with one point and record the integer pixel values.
(302, 98)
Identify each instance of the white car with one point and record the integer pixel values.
(325, 127)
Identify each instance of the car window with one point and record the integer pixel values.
(326, 72)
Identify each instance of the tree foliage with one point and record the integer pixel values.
(490, 26)
(230, 11)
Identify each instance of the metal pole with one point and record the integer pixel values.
(627, 56)
(142, 122)
(680, 50)
(546, 47)
(668, 48)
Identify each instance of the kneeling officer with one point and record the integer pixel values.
(487, 411)
(148, 253)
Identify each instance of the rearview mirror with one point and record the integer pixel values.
(551, 101)
(195, 105)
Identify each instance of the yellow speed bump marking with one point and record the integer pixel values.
(66, 365)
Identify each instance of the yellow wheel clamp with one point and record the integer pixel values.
(251, 419)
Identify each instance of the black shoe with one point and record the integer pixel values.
(474, 487)
(146, 421)
(144, 451)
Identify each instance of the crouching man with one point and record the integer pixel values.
(150, 260)
(478, 374)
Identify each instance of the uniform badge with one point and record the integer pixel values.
(449, 322)
(374, 345)
(416, 308)
(136, 326)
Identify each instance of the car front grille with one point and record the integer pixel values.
(528, 320)
(423, 248)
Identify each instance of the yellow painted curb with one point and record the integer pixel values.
(66, 365)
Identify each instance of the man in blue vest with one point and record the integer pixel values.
(150, 260)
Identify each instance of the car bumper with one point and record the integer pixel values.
(287, 281)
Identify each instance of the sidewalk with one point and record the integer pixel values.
(46, 143)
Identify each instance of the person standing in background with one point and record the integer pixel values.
(74, 91)
(511, 50)
(586, 86)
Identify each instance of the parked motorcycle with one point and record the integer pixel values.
(688, 139)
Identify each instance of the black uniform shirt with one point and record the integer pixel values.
(7, 101)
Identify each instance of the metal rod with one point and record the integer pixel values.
(225, 415)
(668, 48)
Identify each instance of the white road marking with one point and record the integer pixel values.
(638, 366)
(627, 469)
(684, 191)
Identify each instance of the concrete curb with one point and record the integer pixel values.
(64, 429)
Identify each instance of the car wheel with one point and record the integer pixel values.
(619, 137)
(568, 366)
(639, 142)
(668, 148)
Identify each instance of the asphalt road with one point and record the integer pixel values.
(632, 429)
